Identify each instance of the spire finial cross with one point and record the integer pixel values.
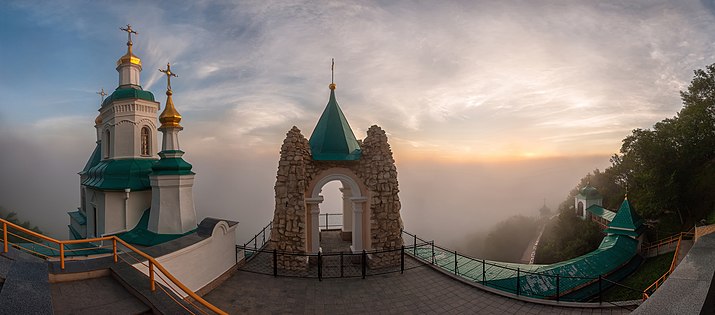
(102, 94)
(169, 74)
(129, 31)
(332, 71)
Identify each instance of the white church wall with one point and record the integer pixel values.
(138, 202)
(114, 216)
(172, 209)
(199, 264)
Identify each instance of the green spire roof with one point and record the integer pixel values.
(332, 138)
(626, 220)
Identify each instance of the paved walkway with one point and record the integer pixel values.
(417, 291)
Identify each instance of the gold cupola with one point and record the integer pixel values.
(129, 57)
(170, 117)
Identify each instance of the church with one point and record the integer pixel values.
(127, 186)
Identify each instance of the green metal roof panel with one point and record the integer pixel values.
(172, 165)
(120, 174)
(128, 93)
(626, 218)
(78, 217)
(601, 212)
(140, 234)
(94, 159)
(332, 138)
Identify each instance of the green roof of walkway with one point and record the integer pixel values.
(332, 138)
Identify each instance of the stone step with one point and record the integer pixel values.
(26, 289)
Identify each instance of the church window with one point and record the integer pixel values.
(579, 210)
(107, 146)
(145, 143)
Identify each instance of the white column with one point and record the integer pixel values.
(171, 138)
(314, 209)
(347, 209)
(358, 203)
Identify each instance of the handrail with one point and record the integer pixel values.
(115, 240)
(654, 286)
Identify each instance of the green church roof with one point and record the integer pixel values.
(120, 174)
(93, 159)
(589, 192)
(626, 220)
(127, 93)
(601, 212)
(332, 138)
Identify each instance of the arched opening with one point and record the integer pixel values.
(335, 218)
(352, 204)
(145, 141)
(579, 209)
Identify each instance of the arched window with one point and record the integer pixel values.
(579, 211)
(107, 145)
(145, 143)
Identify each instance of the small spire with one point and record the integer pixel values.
(332, 74)
(170, 117)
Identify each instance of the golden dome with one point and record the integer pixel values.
(170, 117)
(98, 120)
(129, 57)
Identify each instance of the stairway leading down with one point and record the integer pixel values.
(26, 287)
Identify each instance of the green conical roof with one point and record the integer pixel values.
(332, 138)
(625, 219)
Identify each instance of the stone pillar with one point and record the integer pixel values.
(314, 209)
(347, 214)
(357, 203)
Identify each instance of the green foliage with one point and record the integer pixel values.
(567, 237)
(509, 238)
(12, 218)
(652, 269)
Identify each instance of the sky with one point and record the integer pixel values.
(508, 96)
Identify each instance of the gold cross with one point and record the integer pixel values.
(129, 31)
(102, 94)
(332, 71)
(169, 74)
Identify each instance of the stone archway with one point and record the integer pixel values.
(354, 214)
(372, 180)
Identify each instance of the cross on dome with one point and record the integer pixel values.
(169, 74)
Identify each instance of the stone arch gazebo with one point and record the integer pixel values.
(366, 169)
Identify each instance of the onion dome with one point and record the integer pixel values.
(170, 117)
(98, 120)
(129, 57)
(589, 192)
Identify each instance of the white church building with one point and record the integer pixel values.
(126, 183)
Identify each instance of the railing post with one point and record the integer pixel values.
(518, 281)
(320, 267)
(151, 276)
(341, 264)
(326, 221)
(364, 263)
(558, 287)
(62, 256)
(255, 241)
(600, 297)
(264, 237)
(114, 249)
(414, 237)
(402, 259)
(4, 233)
(455, 262)
(275, 262)
(433, 252)
(484, 272)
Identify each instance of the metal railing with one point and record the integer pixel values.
(327, 225)
(510, 278)
(62, 247)
(653, 287)
(258, 241)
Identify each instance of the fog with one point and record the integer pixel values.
(449, 202)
